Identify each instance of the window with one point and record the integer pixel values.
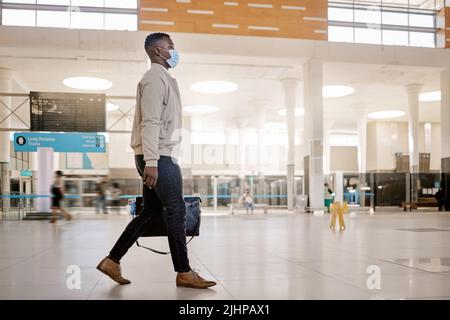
(340, 14)
(87, 20)
(340, 34)
(12, 17)
(129, 4)
(421, 20)
(399, 22)
(422, 39)
(88, 14)
(20, 1)
(395, 18)
(371, 16)
(54, 2)
(57, 19)
(364, 35)
(394, 37)
(87, 3)
(120, 21)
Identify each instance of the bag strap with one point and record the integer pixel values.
(167, 252)
(157, 251)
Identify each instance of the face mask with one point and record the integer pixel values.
(174, 58)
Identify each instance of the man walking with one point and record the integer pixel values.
(156, 133)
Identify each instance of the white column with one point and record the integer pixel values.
(413, 91)
(214, 180)
(339, 187)
(45, 178)
(445, 113)
(362, 141)
(186, 147)
(260, 107)
(445, 133)
(314, 131)
(327, 149)
(362, 152)
(5, 87)
(241, 124)
(427, 127)
(290, 96)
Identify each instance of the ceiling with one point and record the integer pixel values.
(42, 57)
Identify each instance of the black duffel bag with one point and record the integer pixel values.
(158, 226)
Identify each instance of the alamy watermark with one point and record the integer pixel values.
(373, 282)
(73, 281)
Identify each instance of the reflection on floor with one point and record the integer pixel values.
(277, 256)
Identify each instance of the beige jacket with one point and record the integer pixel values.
(157, 118)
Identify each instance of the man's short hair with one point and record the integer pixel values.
(153, 38)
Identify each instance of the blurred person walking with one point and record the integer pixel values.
(115, 197)
(100, 188)
(57, 191)
(155, 138)
(328, 196)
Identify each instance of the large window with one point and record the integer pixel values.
(78, 14)
(388, 22)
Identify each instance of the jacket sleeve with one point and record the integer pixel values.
(152, 99)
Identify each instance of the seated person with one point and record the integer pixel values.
(246, 201)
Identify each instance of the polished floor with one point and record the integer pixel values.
(275, 256)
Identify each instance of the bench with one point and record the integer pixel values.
(421, 203)
(236, 206)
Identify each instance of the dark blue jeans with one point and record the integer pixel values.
(168, 194)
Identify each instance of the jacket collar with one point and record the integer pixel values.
(160, 68)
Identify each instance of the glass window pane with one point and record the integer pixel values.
(12, 17)
(19, 1)
(339, 14)
(57, 19)
(87, 3)
(371, 15)
(340, 34)
(422, 39)
(395, 18)
(120, 21)
(87, 20)
(129, 4)
(55, 2)
(394, 37)
(368, 35)
(421, 20)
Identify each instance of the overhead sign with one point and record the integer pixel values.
(60, 142)
(26, 173)
(67, 112)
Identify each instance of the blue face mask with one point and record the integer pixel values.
(174, 58)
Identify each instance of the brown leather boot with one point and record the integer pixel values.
(192, 279)
(112, 270)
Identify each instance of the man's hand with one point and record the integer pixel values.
(150, 176)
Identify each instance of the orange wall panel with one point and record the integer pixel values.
(308, 20)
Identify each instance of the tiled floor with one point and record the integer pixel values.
(277, 256)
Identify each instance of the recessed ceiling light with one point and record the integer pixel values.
(201, 109)
(299, 112)
(388, 114)
(336, 91)
(430, 96)
(214, 87)
(111, 106)
(87, 83)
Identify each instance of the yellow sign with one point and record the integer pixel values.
(337, 211)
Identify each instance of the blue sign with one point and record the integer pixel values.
(60, 142)
(26, 173)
